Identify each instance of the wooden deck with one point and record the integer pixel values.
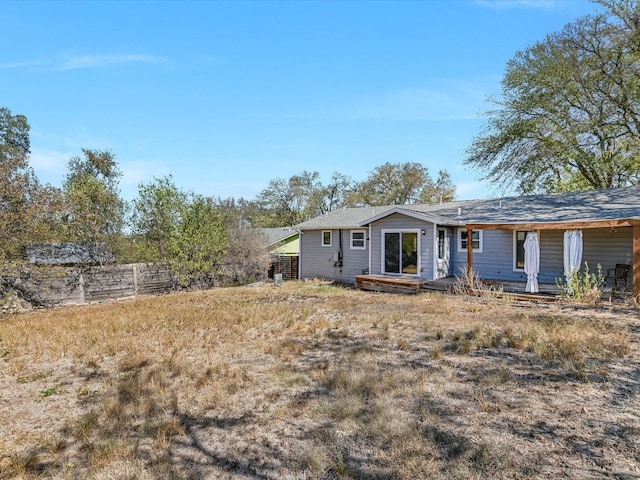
(389, 283)
(414, 285)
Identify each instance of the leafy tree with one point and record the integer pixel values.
(402, 183)
(333, 196)
(443, 190)
(200, 243)
(185, 230)
(288, 202)
(569, 116)
(157, 213)
(28, 210)
(95, 212)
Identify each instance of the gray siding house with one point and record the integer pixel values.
(432, 241)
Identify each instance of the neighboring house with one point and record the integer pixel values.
(284, 245)
(431, 241)
(281, 240)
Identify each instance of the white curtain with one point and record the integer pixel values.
(572, 252)
(532, 261)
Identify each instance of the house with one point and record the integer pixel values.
(431, 242)
(284, 245)
(281, 240)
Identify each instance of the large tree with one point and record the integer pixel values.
(157, 212)
(288, 202)
(403, 183)
(569, 115)
(28, 210)
(95, 211)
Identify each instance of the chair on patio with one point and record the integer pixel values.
(620, 276)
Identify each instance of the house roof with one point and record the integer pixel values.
(277, 235)
(588, 206)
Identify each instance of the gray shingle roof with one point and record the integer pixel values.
(278, 234)
(587, 206)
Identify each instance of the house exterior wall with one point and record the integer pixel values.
(402, 222)
(317, 261)
(600, 246)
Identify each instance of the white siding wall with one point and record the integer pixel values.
(317, 261)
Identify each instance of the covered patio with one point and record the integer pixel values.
(574, 226)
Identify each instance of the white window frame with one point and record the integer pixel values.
(364, 240)
(480, 242)
(330, 238)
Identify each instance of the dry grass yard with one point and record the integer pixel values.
(311, 381)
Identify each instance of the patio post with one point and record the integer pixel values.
(636, 262)
(470, 255)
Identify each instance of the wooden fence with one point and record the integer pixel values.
(287, 265)
(50, 286)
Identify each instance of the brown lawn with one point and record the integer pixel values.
(311, 381)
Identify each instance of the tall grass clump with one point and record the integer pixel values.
(583, 286)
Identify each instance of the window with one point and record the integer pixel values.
(358, 239)
(518, 250)
(442, 239)
(326, 238)
(476, 240)
(519, 238)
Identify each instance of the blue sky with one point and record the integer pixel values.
(226, 96)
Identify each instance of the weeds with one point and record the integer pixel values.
(583, 286)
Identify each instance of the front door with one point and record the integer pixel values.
(444, 253)
(400, 252)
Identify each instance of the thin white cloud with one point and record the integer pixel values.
(83, 61)
(106, 60)
(22, 64)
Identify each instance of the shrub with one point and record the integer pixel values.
(583, 286)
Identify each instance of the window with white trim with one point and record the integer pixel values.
(476, 240)
(358, 239)
(326, 238)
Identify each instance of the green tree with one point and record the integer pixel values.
(402, 183)
(29, 211)
(199, 244)
(157, 213)
(569, 115)
(288, 202)
(95, 211)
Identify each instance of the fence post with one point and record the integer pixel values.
(135, 279)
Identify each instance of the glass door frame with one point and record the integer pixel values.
(400, 231)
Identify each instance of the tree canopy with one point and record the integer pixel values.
(28, 210)
(95, 211)
(569, 116)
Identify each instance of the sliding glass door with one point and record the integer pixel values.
(400, 252)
